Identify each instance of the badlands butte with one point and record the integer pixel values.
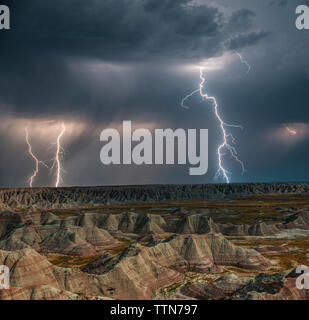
(216, 241)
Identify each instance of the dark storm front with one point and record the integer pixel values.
(142, 152)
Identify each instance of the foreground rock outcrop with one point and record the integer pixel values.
(198, 253)
(278, 286)
(32, 277)
(135, 273)
(141, 270)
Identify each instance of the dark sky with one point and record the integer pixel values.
(92, 64)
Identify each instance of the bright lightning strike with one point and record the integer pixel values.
(58, 156)
(225, 145)
(37, 161)
(242, 60)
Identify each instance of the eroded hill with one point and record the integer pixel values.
(179, 242)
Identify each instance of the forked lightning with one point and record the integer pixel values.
(56, 160)
(242, 60)
(37, 161)
(228, 139)
(58, 156)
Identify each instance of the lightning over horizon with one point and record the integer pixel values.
(225, 145)
(56, 160)
(58, 156)
(37, 161)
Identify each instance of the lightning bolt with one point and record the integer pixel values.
(228, 139)
(242, 60)
(58, 156)
(187, 97)
(37, 161)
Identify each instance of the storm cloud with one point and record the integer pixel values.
(126, 29)
(94, 64)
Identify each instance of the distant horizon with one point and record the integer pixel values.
(158, 184)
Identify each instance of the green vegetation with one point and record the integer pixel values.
(70, 261)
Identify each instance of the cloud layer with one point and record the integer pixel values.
(97, 63)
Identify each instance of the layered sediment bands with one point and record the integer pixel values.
(137, 271)
(83, 234)
(201, 224)
(70, 241)
(221, 289)
(8, 221)
(76, 241)
(132, 223)
(199, 253)
(195, 223)
(44, 231)
(28, 268)
(66, 197)
(33, 277)
(87, 233)
(141, 270)
(299, 220)
(260, 229)
(279, 286)
(101, 252)
(44, 292)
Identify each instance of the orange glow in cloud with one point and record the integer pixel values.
(289, 133)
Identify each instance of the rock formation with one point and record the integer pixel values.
(72, 197)
(298, 220)
(260, 229)
(112, 252)
(279, 286)
(145, 269)
(45, 232)
(32, 277)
